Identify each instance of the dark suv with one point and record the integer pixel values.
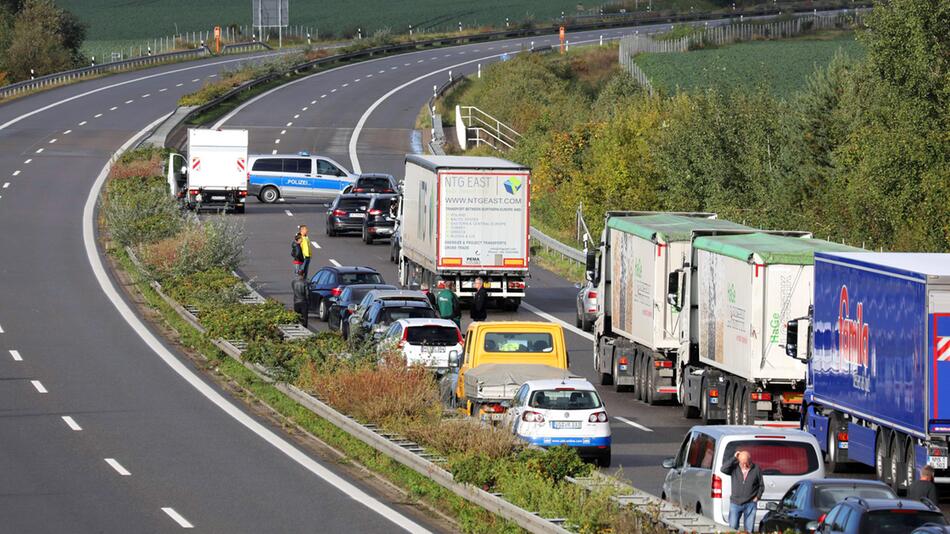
(375, 183)
(855, 515)
(380, 218)
(810, 500)
(328, 283)
(383, 313)
(347, 213)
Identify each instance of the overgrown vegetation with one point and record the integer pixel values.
(37, 38)
(859, 154)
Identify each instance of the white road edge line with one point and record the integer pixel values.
(176, 517)
(39, 386)
(308, 463)
(1, 329)
(71, 423)
(335, 263)
(633, 424)
(15, 354)
(114, 464)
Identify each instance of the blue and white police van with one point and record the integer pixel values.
(297, 176)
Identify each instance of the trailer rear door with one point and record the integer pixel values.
(939, 330)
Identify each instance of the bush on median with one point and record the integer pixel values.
(243, 322)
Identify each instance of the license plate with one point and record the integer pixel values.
(938, 462)
(566, 425)
(842, 444)
(713, 400)
(357, 215)
(432, 350)
(218, 198)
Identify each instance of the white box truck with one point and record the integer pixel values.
(637, 334)
(214, 173)
(747, 287)
(464, 217)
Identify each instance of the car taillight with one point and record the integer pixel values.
(515, 284)
(242, 193)
(713, 392)
(405, 336)
(459, 334)
(194, 191)
(842, 436)
(375, 212)
(662, 364)
(762, 396)
(716, 487)
(821, 518)
(338, 213)
(336, 291)
(494, 408)
(592, 294)
(532, 417)
(359, 190)
(599, 417)
(623, 360)
(388, 191)
(440, 284)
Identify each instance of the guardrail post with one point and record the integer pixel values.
(479, 70)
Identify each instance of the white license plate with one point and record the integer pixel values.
(218, 198)
(713, 400)
(842, 444)
(938, 462)
(566, 425)
(357, 215)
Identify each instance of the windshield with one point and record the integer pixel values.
(349, 279)
(564, 399)
(899, 521)
(777, 456)
(827, 497)
(439, 336)
(518, 342)
(394, 314)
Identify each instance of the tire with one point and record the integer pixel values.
(239, 210)
(882, 463)
(345, 329)
(731, 398)
(831, 455)
(330, 231)
(603, 460)
(650, 380)
(910, 468)
(689, 412)
(744, 415)
(322, 311)
(587, 325)
(577, 320)
(368, 239)
(896, 474)
(637, 377)
(269, 195)
(512, 304)
(606, 379)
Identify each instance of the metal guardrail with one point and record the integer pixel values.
(550, 243)
(59, 78)
(236, 48)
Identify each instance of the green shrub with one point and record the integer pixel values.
(285, 358)
(213, 243)
(247, 322)
(215, 287)
(140, 210)
(555, 463)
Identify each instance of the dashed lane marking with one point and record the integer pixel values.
(163, 89)
(146, 95)
(633, 424)
(71, 423)
(305, 108)
(314, 243)
(67, 132)
(53, 140)
(273, 152)
(113, 108)
(335, 263)
(282, 132)
(289, 124)
(83, 123)
(312, 102)
(345, 85)
(15, 354)
(97, 115)
(288, 213)
(114, 464)
(39, 386)
(16, 173)
(129, 101)
(276, 141)
(297, 116)
(5, 185)
(28, 160)
(176, 517)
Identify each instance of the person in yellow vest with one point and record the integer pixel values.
(305, 248)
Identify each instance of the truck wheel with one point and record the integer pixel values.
(512, 305)
(239, 210)
(882, 463)
(269, 195)
(832, 445)
(745, 414)
(732, 404)
(910, 468)
(606, 379)
(689, 412)
(895, 464)
(651, 382)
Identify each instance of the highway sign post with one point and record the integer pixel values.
(271, 14)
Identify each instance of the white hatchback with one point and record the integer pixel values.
(433, 343)
(556, 412)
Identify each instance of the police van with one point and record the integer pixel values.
(299, 176)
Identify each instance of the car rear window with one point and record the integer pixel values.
(518, 342)
(432, 335)
(564, 399)
(383, 204)
(373, 183)
(828, 496)
(349, 279)
(395, 314)
(777, 456)
(352, 203)
(899, 521)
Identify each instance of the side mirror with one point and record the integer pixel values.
(453, 359)
(797, 342)
(791, 338)
(669, 463)
(812, 526)
(590, 264)
(771, 505)
(674, 289)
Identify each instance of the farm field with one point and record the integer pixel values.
(781, 67)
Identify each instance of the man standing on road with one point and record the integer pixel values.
(305, 248)
(479, 310)
(449, 306)
(747, 488)
(301, 298)
(924, 488)
(296, 252)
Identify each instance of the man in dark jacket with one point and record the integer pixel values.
(479, 310)
(747, 488)
(296, 252)
(924, 488)
(301, 297)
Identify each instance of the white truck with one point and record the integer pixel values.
(637, 336)
(214, 172)
(464, 217)
(746, 289)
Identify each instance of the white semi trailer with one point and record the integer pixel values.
(464, 217)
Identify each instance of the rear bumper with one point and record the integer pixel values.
(345, 223)
(585, 447)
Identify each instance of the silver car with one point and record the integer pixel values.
(587, 307)
(696, 482)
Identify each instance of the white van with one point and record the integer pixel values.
(695, 480)
(296, 176)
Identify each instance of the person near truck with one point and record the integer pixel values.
(429, 295)
(924, 489)
(747, 489)
(479, 310)
(448, 304)
(305, 248)
(301, 298)
(296, 252)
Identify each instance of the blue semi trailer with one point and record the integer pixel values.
(877, 345)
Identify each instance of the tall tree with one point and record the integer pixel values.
(44, 39)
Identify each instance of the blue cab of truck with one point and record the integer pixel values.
(877, 343)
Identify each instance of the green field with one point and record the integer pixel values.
(782, 67)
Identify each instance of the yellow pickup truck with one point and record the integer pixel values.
(499, 357)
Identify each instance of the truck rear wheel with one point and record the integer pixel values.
(689, 412)
(650, 381)
(269, 195)
(834, 427)
(896, 473)
(910, 469)
(882, 464)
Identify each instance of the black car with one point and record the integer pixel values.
(855, 515)
(810, 500)
(932, 528)
(344, 305)
(383, 313)
(330, 281)
(347, 212)
(380, 218)
(375, 183)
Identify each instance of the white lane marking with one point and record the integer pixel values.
(369, 75)
(312, 102)
(212, 75)
(447, 55)
(179, 84)
(345, 85)
(163, 89)
(323, 96)
(114, 464)
(476, 50)
(71, 423)
(176, 517)
(276, 141)
(406, 64)
(357, 80)
(112, 293)
(1, 329)
(146, 95)
(282, 132)
(28, 160)
(83, 123)
(67, 132)
(17, 173)
(335, 263)
(196, 80)
(393, 68)
(420, 61)
(5, 185)
(289, 124)
(39, 150)
(305, 108)
(97, 115)
(129, 101)
(39, 386)
(633, 424)
(15, 354)
(381, 72)
(273, 152)
(113, 108)
(297, 116)
(53, 140)
(491, 47)
(553, 319)
(289, 214)
(314, 243)
(333, 90)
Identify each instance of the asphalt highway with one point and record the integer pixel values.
(381, 99)
(104, 426)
